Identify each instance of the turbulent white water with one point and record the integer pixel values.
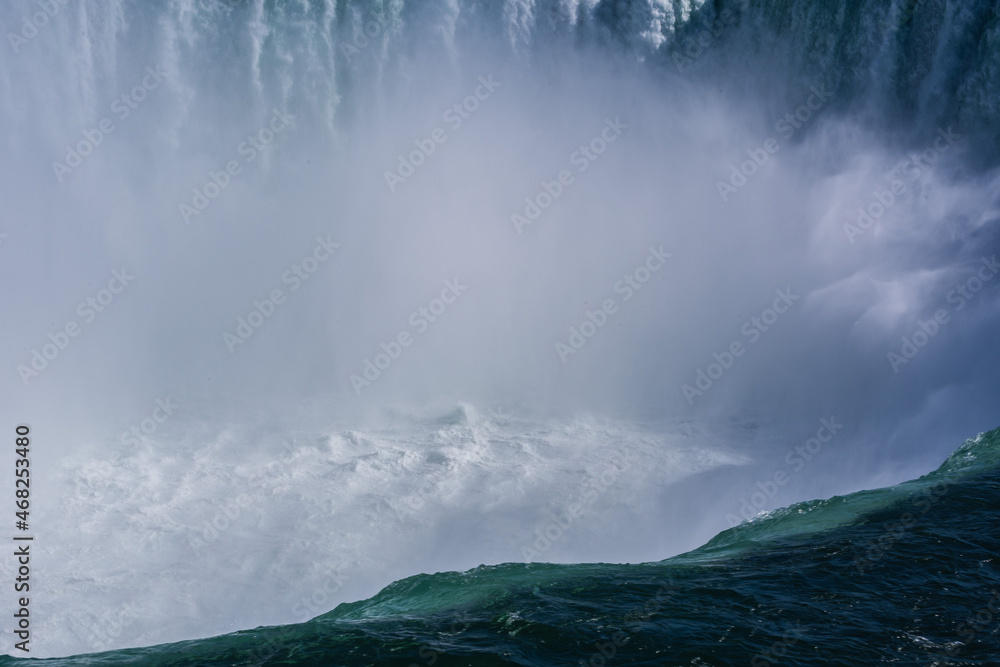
(263, 326)
(195, 533)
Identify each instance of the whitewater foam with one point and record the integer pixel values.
(166, 536)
